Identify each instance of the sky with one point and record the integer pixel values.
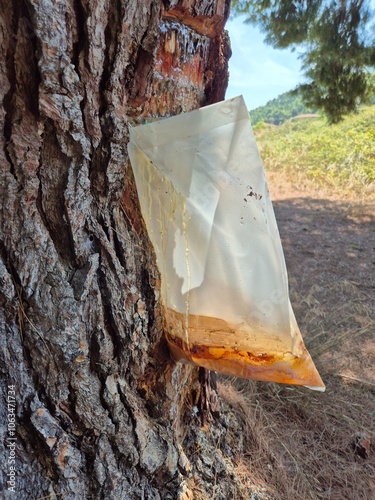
(257, 71)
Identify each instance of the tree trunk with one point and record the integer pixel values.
(101, 409)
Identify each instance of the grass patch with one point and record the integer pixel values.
(304, 445)
(338, 156)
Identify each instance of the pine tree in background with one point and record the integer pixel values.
(338, 47)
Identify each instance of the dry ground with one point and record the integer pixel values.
(301, 444)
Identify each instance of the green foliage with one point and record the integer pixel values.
(338, 43)
(279, 110)
(341, 156)
(284, 23)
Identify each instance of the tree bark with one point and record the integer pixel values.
(101, 409)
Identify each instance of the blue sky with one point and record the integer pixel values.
(257, 71)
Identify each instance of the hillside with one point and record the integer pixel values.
(338, 156)
(279, 110)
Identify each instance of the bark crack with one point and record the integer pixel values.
(52, 173)
(111, 34)
(97, 166)
(32, 81)
(8, 97)
(117, 244)
(109, 321)
(81, 36)
(79, 53)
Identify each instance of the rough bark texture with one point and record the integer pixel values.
(102, 410)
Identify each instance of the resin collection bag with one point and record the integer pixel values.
(224, 285)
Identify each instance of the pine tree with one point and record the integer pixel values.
(338, 47)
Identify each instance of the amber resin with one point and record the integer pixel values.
(186, 334)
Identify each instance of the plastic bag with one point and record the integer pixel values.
(224, 285)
